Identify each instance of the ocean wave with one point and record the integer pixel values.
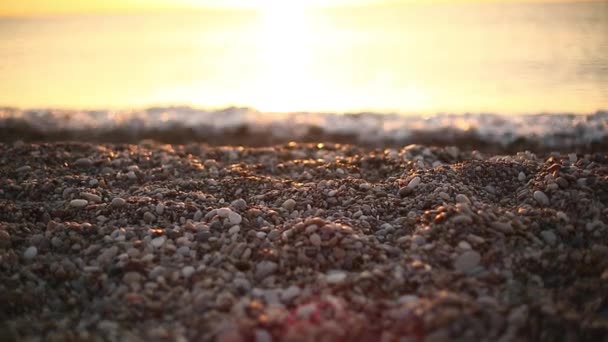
(237, 125)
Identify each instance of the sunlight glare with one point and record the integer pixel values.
(285, 50)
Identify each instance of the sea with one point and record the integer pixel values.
(506, 69)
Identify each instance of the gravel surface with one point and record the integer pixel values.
(300, 242)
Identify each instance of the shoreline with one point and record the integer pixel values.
(301, 242)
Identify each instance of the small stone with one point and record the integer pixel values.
(290, 293)
(467, 261)
(521, 177)
(413, 183)
(91, 197)
(549, 237)
(460, 198)
(234, 230)
(131, 175)
(365, 186)
(223, 212)
(23, 169)
(336, 277)
(131, 277)
(234, 218)
(315, 239)
(118, 202)
(197, 216)
(541, 198)
(464, 245)
(188, 271)
(262, 335)
(239, 204)
(160, 209)
(462, 219)
(5, 239)
(504, 227)
(78, 203)
(265, 268)
(418, 239)
(83, 163)
(149, 217)
(158, 241)
(183, 250)
(30, 252)
(289, 204)
(56, 242)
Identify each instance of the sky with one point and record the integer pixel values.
(45, 7)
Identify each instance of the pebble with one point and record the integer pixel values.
(188, 271)
(78, 203)
(30, 252)
(118, 202)
(265, 268)
(262, 335)
(290, 293)
(418, 239)
(549, 237)
(239, 204)
(234, 230)
(462, 219)
(289, 204)
(83, 163)
(56, 242)
(158, 241)
(23, 169)
(149, 217)
(460, 198)
(467, 261)
(91, 197)
(336, 277)
(234, 218)
(198, 215)
(315, 239)
(464, 245)
(541, 198)
(413, 183)
(160, 209)
(521, 176)
(5, 239)
(223, 212)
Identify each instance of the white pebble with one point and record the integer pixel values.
(541, 198)
(158, 241)
(30, 252)
(234, 218)
(188, 271)
(79, 203)
(335, 277)
(160, 209)
(234, 230)
(91, 197)
(223, 212)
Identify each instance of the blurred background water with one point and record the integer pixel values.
(466, 57)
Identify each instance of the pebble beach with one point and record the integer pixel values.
(301, 242)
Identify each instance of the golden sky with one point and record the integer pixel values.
(36, 7)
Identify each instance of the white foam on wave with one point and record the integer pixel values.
(548, 129)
